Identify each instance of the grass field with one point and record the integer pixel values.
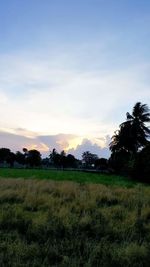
(46, 220)
(47, 223)
(76, 176)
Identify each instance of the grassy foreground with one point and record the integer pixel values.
(46, 223)
(76, 176)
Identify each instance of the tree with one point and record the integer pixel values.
(4, 154)
(71, 161)
(25, 150)
(119, 161)
(62, 160)
(133, 133)
(11, 159)
(45, 162)
(89, 159)
(141, 168)
(55, 158)
(20, 158)
(101, 164)
(33, 158)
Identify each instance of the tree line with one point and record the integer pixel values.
(32, 159)
(130, 151)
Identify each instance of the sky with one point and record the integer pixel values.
(70, 70)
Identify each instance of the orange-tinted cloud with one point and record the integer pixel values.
(70, 143)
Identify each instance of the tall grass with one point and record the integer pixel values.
(48, 223)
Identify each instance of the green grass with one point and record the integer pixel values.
(76, 176)
(47, 223)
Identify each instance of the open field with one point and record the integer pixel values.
(76, 176)
(49, 223)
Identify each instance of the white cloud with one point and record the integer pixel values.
(88, 145)
(49, 99)
(70, 143)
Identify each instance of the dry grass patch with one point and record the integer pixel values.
(47, 223)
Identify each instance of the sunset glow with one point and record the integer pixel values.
(68, 81)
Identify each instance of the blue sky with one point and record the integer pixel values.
(71, 70)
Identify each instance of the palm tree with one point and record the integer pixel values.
(138, 131)
(133, 133)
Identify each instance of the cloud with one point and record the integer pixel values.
(70, 143)
(88, 145)
(49, 96)
(15, 142)
(59, 141)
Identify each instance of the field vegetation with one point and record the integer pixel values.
(76, 176)
(59, 223)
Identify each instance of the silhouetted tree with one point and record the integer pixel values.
(20, 158)
(55, 158)
(89, 159)
(46, 162)
(25, 151)
(33, 158)
(71, 161)
(141, 167)
(133, 133)
(119, 161)
(4, 154)
(101, 164)
(11, 159)
(62, 160)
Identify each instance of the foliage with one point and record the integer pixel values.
(89, 159)
(132, 133)
(101, 164)
(47, 223)
(141, 167)
(11, 159)
(20, 158)
(4, 154)
(62, 160)
(119, 161)
(131, 137)
(45, 162)
(71, 161)
(33, 158)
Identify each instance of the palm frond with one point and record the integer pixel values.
(129, 116)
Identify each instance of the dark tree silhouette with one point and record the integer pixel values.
(20, 158)
(54, 158)
(46, 162)
(4, 154)
(101, 164)
(71, 161)
(62, 160)
(141, 168)
(133, 133)
(131, 137)
(11, 159)
(89, 159)
(33, 158)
